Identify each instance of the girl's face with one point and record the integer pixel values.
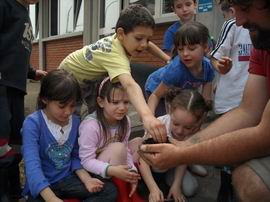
(185, 10)
(183, 123)
(192, 55)
(117, 109)
(59, 113)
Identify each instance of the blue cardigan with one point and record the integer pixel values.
(47, 162)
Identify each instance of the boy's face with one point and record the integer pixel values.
(135, 41)
(185, 10)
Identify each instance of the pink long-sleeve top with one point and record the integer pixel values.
(91, 140)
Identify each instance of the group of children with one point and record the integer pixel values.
(66, 157)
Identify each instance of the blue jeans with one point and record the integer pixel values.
(72, 187)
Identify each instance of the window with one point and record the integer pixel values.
(78, 15)
(33, 13)
(166, 7)
(110, 9)
(109, 13)
(160, 9)
(149, 4)
(66, 16)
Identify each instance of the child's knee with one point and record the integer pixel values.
(119, 150)
(248, 185)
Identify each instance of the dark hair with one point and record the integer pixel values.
(190, 100)
(133, 16)
(248, 3)
(106, 90)
(58, 85)
(225, 6)
(190, 33)
(172, 2)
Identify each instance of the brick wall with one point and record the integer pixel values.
(34, 60)
(57, 50)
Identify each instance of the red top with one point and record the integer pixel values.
(260, 64)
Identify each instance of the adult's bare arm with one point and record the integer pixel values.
(248, 114)
(223, 142)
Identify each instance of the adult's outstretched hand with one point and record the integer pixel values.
(162, 156)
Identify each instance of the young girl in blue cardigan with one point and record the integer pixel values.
(50, 147)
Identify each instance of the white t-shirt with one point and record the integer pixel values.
(235, 43)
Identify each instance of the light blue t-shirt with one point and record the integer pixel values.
(169, 36)
(177, 74)
(168, 42)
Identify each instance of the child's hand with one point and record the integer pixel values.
(93, 185)
(156, 195)
(40, 74)
(176, 194)
(122, 172)
(133, 188)
(224, 65)
(155, 128)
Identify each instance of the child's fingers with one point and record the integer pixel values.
(134, 176)
(133, 189)
(183, 199)
(99, 182)
(169, 195)
(132, 179)
(126, 167)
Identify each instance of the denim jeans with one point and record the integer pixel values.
(72, 187)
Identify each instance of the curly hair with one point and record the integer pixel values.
(133, 16)
(190, 100)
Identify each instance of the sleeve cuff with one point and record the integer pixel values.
(104, 174)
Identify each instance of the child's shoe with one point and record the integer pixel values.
(198, 170)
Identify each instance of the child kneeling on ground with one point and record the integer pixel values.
(187, 108)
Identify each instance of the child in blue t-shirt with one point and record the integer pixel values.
(189, 69)
(185, 10)
(50, 147)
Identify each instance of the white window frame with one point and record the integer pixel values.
(70, 29)
(109, 30)
(159, 17)
(34, 20)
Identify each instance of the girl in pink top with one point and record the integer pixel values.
(103, 136)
